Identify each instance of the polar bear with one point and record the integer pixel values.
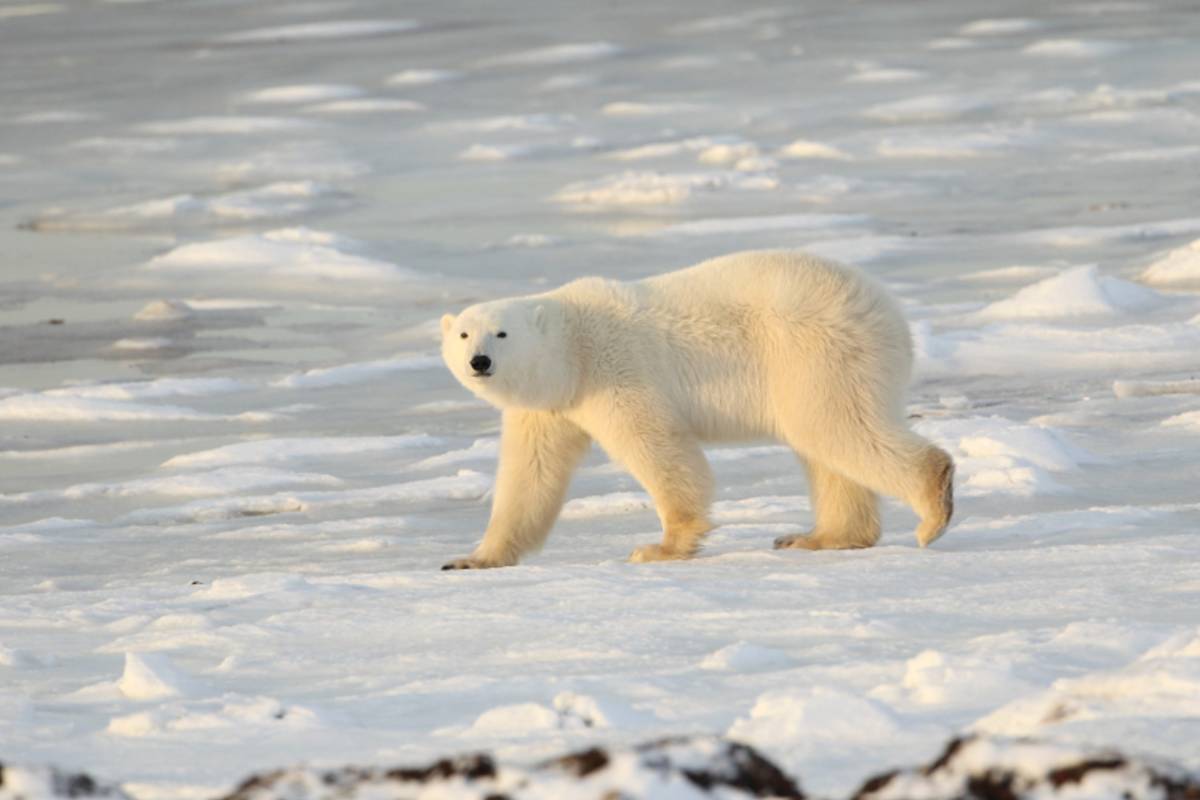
(753, 345)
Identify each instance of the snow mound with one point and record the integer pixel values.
(557, 54)
(654, 188)
(1188, 421)
(302, 93)
(803, 148)
(933, 678)
(1078, 292)
(996, 455)
(678, 769)
(151, 676)
(164, 311)
(979, 767)
(282, 253)
(421, 77)
(1072, 48)
(813, 718)
(746, 657)
(1161, 684)
(1178, 268)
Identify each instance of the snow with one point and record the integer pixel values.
(1077, 292)
(280, 253)
(232, 463)
(1177, 268)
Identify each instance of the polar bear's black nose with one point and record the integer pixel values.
(481, 363)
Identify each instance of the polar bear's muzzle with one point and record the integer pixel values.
(482, 366)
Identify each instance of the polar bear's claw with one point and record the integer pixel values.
(467, 563)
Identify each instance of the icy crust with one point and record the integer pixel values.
(670, 769)
(978, 768)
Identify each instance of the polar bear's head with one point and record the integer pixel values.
(512, 353)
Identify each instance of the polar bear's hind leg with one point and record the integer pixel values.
(847, 513)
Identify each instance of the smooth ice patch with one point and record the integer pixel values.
(152, 389)
(1072, 48)
(782, 222)
(1005, 348)
(291, 450)
(947, 145)
(1003, 26)
(280, 200)
(215, 483)
(607, 505)
(282, 253)
(573, 53)
(359, 372)
(316, 31)
(1078, 292)
(1180, 268)
(292, 160)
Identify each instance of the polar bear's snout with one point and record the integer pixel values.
(481, 364)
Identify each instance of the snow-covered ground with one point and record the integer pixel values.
(231, 462)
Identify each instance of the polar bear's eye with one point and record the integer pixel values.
(501, 334)
(462, 335)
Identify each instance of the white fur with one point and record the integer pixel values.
(748, 346)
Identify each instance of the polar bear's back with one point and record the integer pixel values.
(791, 284)
(732, 340)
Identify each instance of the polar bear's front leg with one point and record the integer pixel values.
(668, 462)
(538, 452)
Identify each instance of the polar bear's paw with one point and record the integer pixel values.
(471, 562)
(817, 541)
(656, 552)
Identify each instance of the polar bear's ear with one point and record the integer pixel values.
(539, 318)
(447, 321)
